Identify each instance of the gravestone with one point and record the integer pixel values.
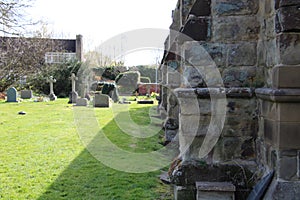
(73, 96)
(101, 100)
(82, 102)
(26, 94)
(12, 95)
(87, 90)
(52, 96)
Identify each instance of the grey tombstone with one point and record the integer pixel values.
(82, 102)
(11, 95)
(101, 100)
(73, 96)
(52, 96)
(26, 94)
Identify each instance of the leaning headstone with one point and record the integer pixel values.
(52, 96)
(11, 95)
(73, 96)
(101, 100)
(26, 94)
(82, 102)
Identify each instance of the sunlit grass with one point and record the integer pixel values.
(42, 157)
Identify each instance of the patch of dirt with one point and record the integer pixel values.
(2, 96)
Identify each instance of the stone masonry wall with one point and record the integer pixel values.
(254, 45)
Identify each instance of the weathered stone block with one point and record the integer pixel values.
(242, 54)
(196, 29)
(190, 146)
(284, 3)
(182, 193)
(163, 70)
(288, 19)
(189, 106)
(215, 190)
(194, 125)
(231, 148)
(193, 77)
(288, 48)
(286, 77)
(235, 28)
(201, 8)
(239, 76)
(267, 109)
(289, 135)
(204, 54)
(269, 6)
(282, 135)
(284, 112)
(287, 168)
(289, 112)
(235, 7)
(280, 189)
(271, 53)
(173, 79)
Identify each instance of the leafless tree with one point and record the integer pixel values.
(13, 19)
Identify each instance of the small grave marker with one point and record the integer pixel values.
(12, 95)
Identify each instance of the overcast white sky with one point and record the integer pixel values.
(100, 20)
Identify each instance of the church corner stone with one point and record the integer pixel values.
(255, 47)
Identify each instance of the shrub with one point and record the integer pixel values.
(145, 79)
(61, 72)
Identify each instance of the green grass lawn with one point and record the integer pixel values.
(42, 156)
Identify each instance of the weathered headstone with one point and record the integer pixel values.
(12, 95)
(101, 100)
(26, 94)
(52, 96)
(82, 102)
(73, 96)
(87, 90)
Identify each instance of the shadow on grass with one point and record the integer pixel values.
(88, 178)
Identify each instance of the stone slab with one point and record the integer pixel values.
(82, 102)
(215, 186)
(26, 94)
(285, 111)
(278, 95)
(286, 76)
(101, 100)
(282, 135)
(215, 191)
(145, 102)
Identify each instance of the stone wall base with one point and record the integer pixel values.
(283, 190)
